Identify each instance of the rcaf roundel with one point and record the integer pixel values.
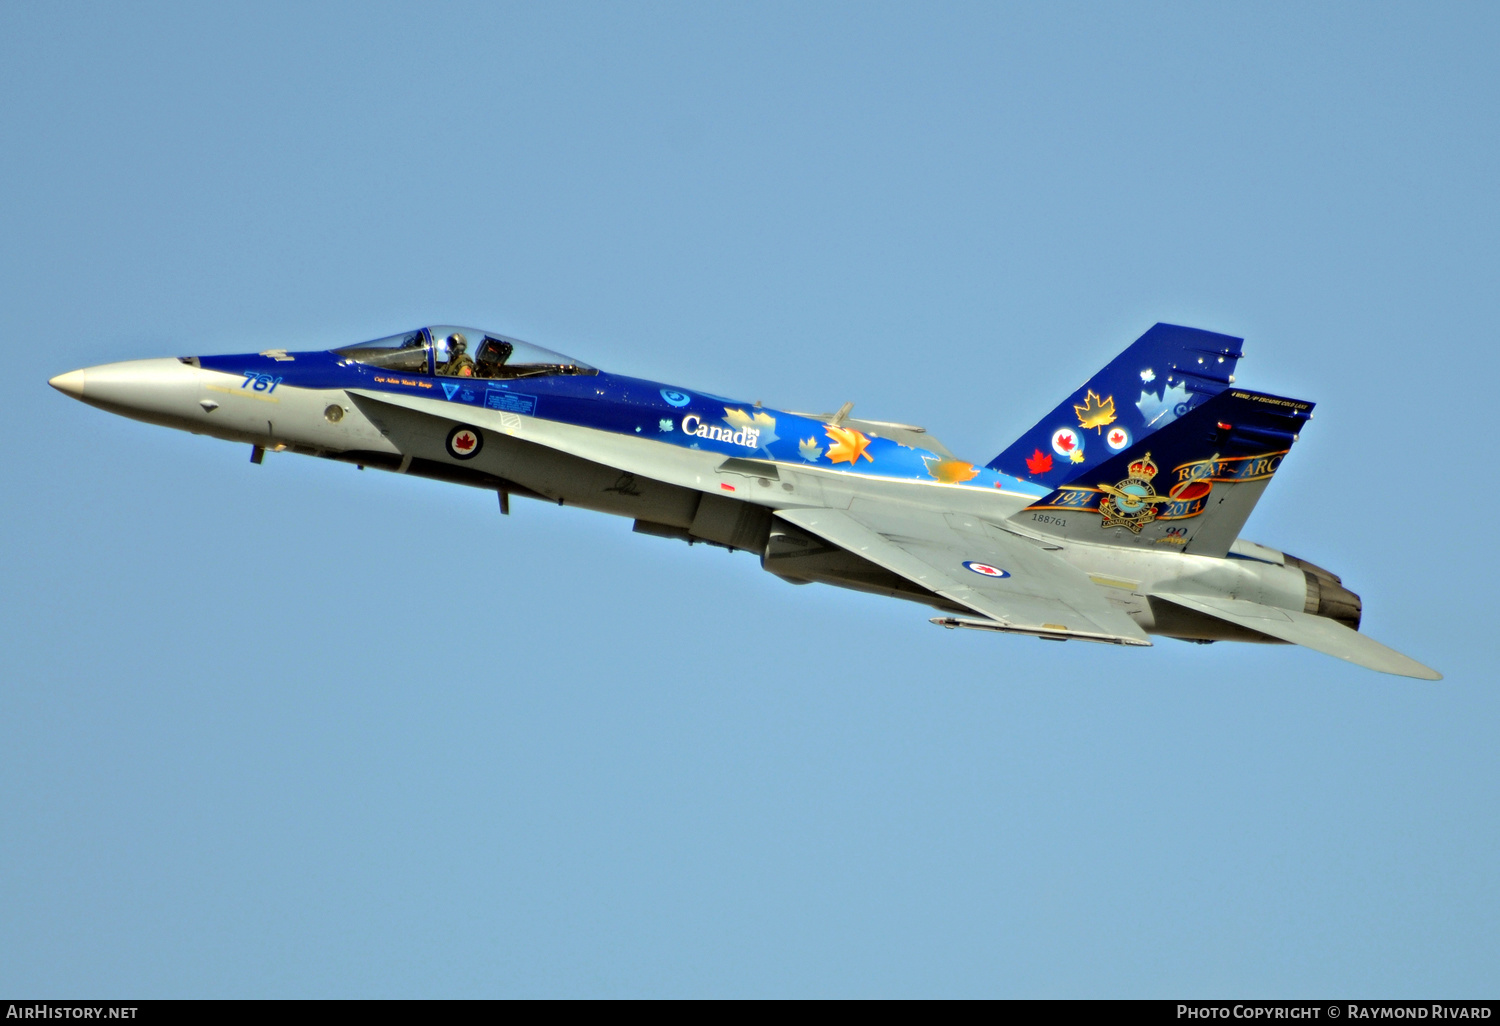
(1116, 438)
(464, 442)
(1066, 441)
(984, 569)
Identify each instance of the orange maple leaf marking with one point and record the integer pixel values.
(848, 445)
(1095, 413)
(952, 471)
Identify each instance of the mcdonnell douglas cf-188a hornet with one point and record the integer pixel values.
(1116, 517)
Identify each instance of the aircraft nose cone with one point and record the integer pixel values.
(160, 391)
(70, 383)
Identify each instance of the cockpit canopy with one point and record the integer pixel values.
(448, 351)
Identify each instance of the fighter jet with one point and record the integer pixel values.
(1115, 518)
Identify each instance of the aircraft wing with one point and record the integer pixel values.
(1315, 632)
(1039, 594)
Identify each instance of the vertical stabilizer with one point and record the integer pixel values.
(1190, 487)
(1163, 375)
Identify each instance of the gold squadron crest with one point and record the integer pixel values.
(1132, 502)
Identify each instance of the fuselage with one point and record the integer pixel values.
(683, 463)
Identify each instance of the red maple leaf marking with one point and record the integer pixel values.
(1117, 437)
(463, 443)
(1065, 442)
(1039, 462)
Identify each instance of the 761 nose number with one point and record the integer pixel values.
(260, 382)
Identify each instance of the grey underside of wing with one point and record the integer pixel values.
(1315, 632)
(1042, 595)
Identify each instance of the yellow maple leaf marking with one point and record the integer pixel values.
(951, 471)
(1095, 413)
(741, 419)
(808, 447)
(848, 445)
(761, 421)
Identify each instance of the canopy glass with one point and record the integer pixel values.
(449, 351)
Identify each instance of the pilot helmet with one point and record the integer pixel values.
(457, 343)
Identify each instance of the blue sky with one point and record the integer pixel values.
(297, 730)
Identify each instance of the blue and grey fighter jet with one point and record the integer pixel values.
(1116, 517)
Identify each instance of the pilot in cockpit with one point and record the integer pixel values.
(460, 364)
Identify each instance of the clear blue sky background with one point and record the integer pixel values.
(299, 730)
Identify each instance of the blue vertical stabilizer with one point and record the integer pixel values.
(1190, 488)
(1165, 373)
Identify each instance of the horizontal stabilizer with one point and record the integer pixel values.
(1315, 632)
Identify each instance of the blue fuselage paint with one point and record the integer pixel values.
(639, 408)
